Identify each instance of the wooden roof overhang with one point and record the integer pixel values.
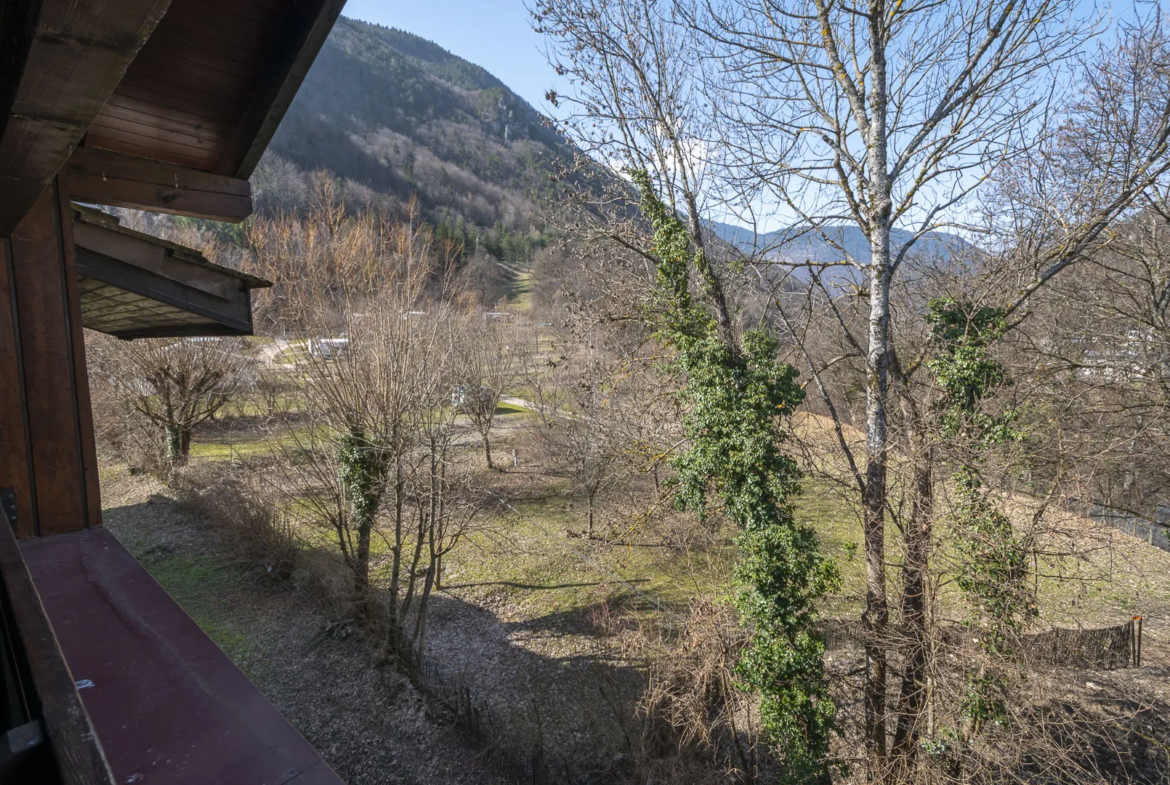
(160, 105)
(163, 105)
(133, 285)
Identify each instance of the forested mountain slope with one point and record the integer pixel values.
(395, 116)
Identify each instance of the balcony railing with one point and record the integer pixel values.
(45, 733)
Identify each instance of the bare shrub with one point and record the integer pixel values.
(375, 481)
(247, 514)
(691, 725)
(492, 360)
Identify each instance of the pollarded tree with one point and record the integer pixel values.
(176, 384)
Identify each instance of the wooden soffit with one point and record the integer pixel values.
(209, 87)
(60, 60)
(133, 285)
(170, 103)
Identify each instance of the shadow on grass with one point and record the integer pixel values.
(537, 586)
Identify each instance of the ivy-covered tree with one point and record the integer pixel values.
(993, 559)
(734, 395)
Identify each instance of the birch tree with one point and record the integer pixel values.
(891, 118)
(888, 117)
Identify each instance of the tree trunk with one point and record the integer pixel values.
(361, 570)
(875, 619)
(178, 443)
(915, 598)
(396, 568)
(420, 624)
(487, 449)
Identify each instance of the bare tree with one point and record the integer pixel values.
(377, 470)
(889, 118)
(175, 384)
(1102, 341)
(880, 115)
(575, 431)
(637, 107)
(493, 361)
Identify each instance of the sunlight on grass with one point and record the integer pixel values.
(200, 587)
(239, 445)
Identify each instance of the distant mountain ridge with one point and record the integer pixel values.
(396, 118)
(801, 243)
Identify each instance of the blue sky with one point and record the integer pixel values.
(498, 35)
(495, 34)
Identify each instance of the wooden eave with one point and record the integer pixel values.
(208, 89)
(59, 63)
(161, 105)
(133, 285)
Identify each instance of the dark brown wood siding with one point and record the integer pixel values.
(15, 461)
(52, 356)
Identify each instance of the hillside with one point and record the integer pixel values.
(394, 115)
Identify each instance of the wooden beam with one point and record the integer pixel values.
(305, 34)
(57, 82)
(82, 400)
(60, 434)
(15, 442)
(100, 176)
(233, 315)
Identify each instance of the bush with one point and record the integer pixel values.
(247, 517)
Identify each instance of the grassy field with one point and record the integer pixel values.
(531, 556)
(526, 596)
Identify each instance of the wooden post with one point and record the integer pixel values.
(47, 451)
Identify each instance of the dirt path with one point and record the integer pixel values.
(269, 352)
(367, 721)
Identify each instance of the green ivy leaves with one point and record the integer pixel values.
(733, 401)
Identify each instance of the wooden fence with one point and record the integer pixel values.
(1109, 648)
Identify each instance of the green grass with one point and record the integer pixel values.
(202, 586)
(244, 444)
(521, 291)
(839, 530)
(527, 559)
(285, 403)
(295, 352)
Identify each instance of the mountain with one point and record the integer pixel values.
(394, 117)
(801, 243)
